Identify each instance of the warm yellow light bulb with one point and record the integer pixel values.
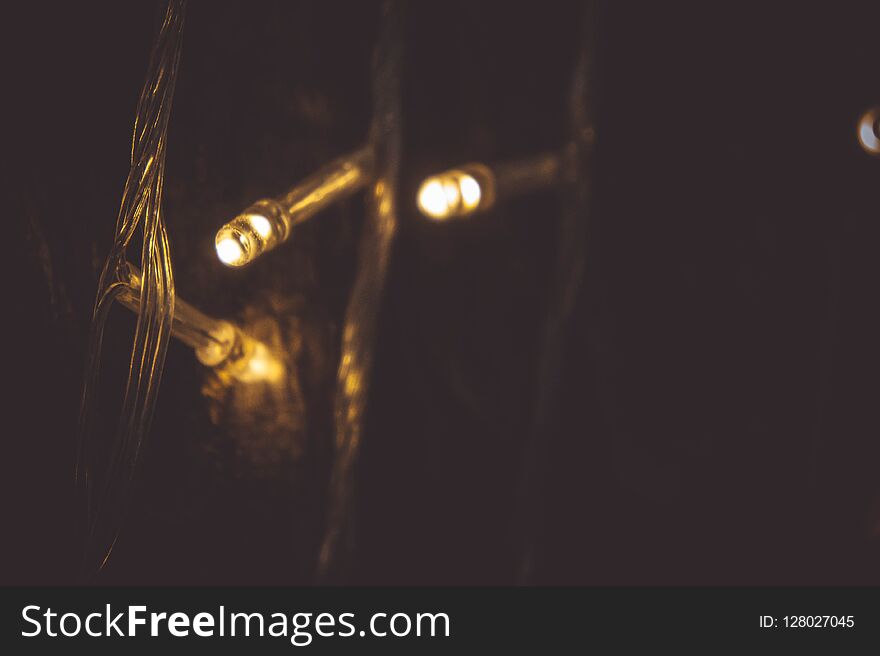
(229, 250)
(270, 221)
(470, 192)
(260, 228)
(223, 336)
(432, 199)
(218, 344)
(869, 131)
(456, 193)
(260, 224)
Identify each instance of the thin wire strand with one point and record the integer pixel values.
(362, 313)
(107, 480)
(567, 276)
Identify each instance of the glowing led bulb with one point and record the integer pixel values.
(230, 250)
(472, 188)
(218, 344)
(457, 192)
(258, 229)
(432, 199)
(269, 222)
(869, 131)
(222, 337)
(470, 191)
(261, 225)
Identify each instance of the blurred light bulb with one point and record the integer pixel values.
(218, 344)
(456, 193)
(470, 191)
(869, 131)
(432, 199)
(223, 336)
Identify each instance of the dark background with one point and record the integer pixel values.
(717, 414)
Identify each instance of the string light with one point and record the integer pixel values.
(472, 188)
(217, 343)
(869, 131)
(269, 222)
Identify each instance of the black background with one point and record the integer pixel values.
(717, 418)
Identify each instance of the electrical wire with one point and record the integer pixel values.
(106, 478)
(362, 313)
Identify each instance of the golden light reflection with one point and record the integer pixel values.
(352, 383)
(261, 366)
(869, 131)
(456, 193)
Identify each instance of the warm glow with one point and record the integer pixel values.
(450, 194)
(261, 225)
(249, 234)
(223, 340)
(432, 200)
(261, 367)
(868, 135)
(235, 355)
(470, 192)
(269, 222)
(230, 250)
(352, 383)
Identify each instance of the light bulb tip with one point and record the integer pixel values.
(432, 200)
(230, 250)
